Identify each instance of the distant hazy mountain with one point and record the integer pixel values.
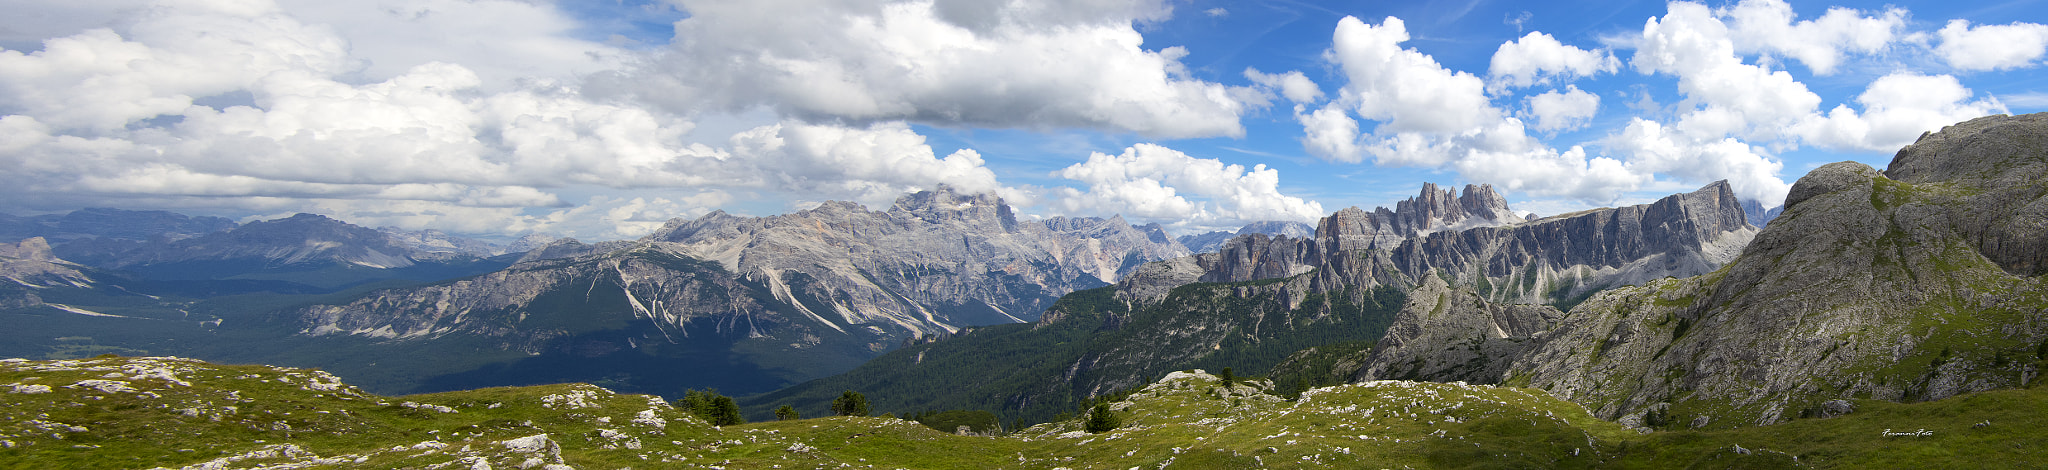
(108, 223)
(1212, 241)
(1755, 213)
(745, 304)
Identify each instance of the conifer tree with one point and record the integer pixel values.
(1228, 377)
(1102, 419)
(850, 403)
(786, 413)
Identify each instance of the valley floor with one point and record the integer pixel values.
(113, 412)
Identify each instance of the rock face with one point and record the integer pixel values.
(438, 243)
(1448, 334)
(1555, 260)
(29, 266)
(1917, 283)
(934, 261)
(809, 293)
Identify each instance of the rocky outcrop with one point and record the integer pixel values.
(1918, 283)
(1431, 212)
(1450, 334)
(30, 264)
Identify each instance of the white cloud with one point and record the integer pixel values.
(1152, 182)
(1545, 172)
(1655, 149)
(504, 41)
(1733, 98)
(110, 114)
(1728, 97)
(1330, 134)
(1568, 110)
(1293, 85)
(871, 165)
(1897, 108)
(1433, 117)
(1768, 26)
(1992, 47)
(990, 63)
(1217, 12)
(1537, 58)
(1405, 89)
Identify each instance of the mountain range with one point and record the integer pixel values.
(1920, 282)
(1262, 299)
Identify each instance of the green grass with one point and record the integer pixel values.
(175, 412)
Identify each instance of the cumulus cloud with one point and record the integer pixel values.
(1730, 97)
(1538, 58)
(1332, 134)
(1655, 149)
(1567, 110)
(1768, 26)
(871, 165)
(116, 114)
(1293, 85)
(1433, 117)
(1992, 47)
(1152, 182)
(1403, 88)
(504, 41)
(984, 63)
(1897, 108)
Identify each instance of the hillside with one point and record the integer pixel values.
(113, 412)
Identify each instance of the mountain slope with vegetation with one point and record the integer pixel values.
(1092, 344)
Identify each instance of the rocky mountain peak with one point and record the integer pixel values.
(1434, 210)
(33, 248)
(942, 203)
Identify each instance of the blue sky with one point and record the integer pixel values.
(601, 120)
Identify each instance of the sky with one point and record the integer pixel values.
(604, 119)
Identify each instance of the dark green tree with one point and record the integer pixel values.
(786, 413)
(719, 410)
(1228, 377)
(1102, 419)
(850, 403)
